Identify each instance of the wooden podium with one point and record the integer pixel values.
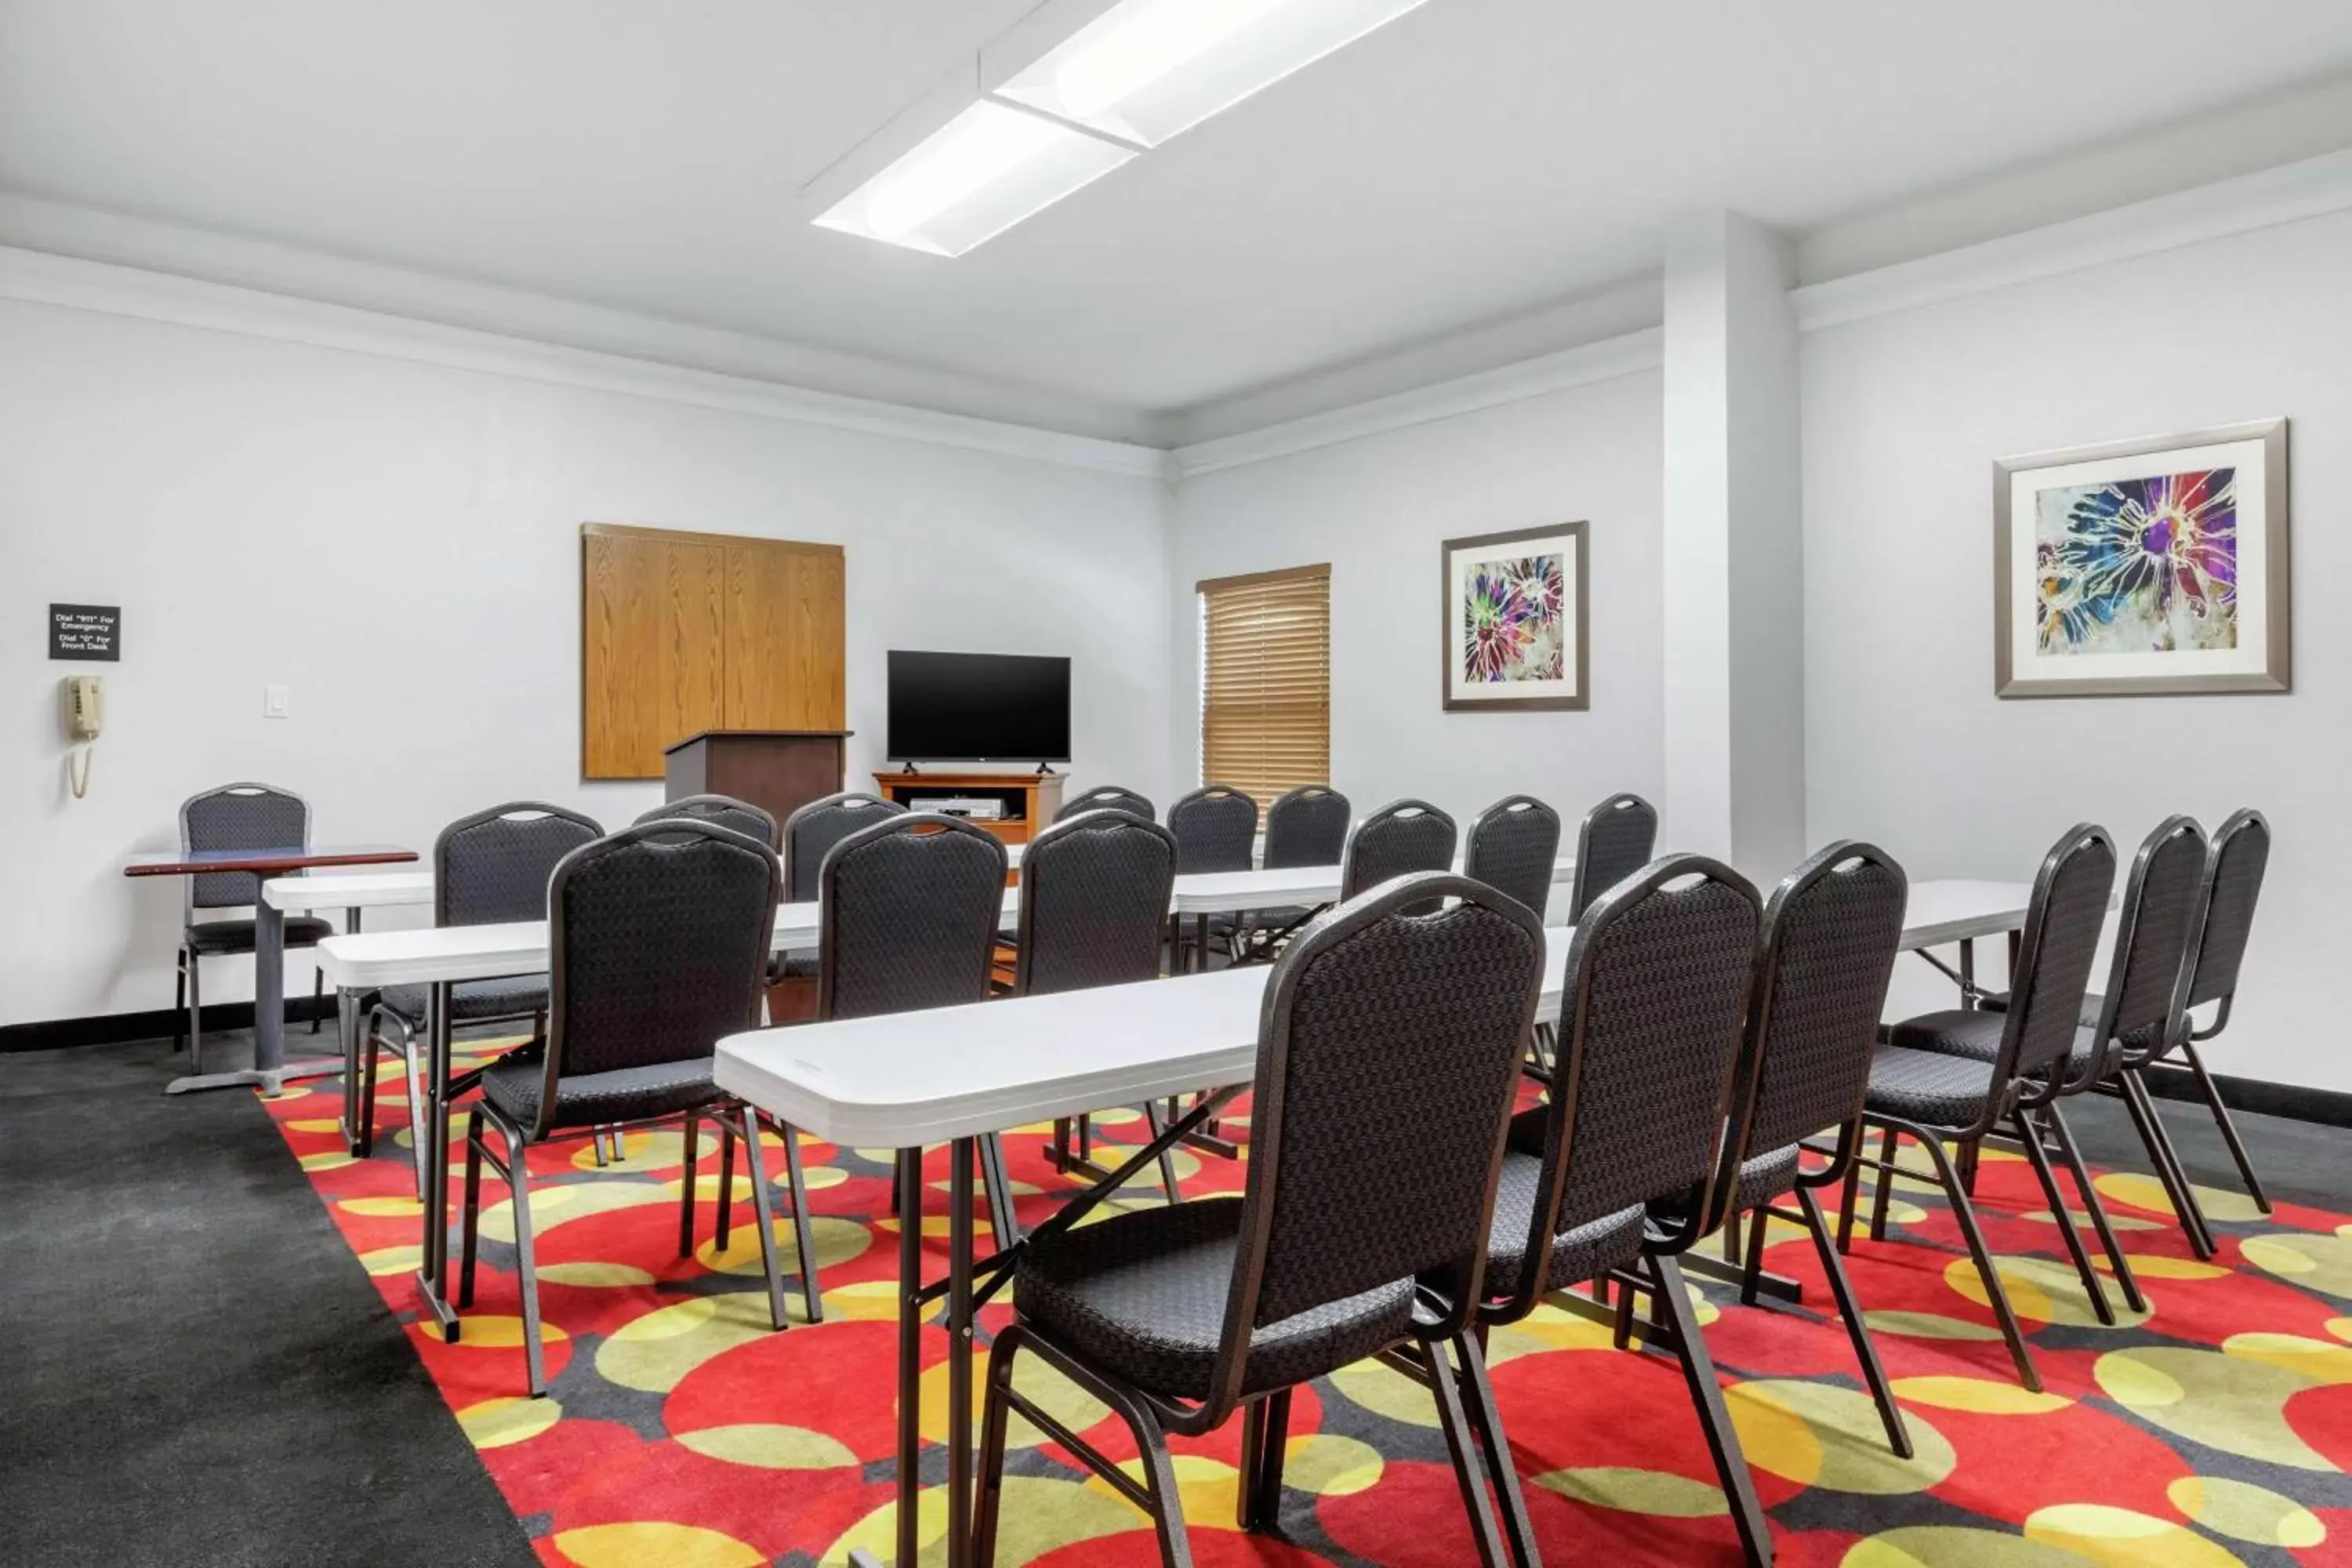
(780, 770)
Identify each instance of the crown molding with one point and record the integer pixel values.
(39, 277)
(2311, 187)
(1611, 358)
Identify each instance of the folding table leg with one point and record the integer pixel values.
(910, 1350)
(959, 1342)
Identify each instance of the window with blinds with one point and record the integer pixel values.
(1266, 681)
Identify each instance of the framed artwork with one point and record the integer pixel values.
(1514, 607)
(2144, 568)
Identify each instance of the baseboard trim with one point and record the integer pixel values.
(2294, 1102)
(116, 1029)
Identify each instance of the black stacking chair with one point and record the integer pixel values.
(1399, 838)
(1935, 1095)
(1107, 797)
(1608, 1180)
(1832, 931)
(809, 834)
(1615, 839)
(2225, 916)
(234, 817)
(1360, 1231)
(659, 942)
(488, 869)
(909, 908)
(1094, 903)
(1304, 826)
(1513, 847)
(722, 810)
(1215, 829)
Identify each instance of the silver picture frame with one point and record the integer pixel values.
(2012, 599)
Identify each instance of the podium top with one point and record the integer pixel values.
(759, 735)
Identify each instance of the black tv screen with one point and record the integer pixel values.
(979, 708)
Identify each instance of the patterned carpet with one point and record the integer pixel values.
(2216, 1429)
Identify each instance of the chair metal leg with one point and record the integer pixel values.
(180, 1002)
(470, 1219)
(1462, 1448)
(1266, 1431)
(195, 1015)
(2170, 1172)
(1850, 1195)
(727, 1180)
(1169, 1188)
(518, 1182)
(1965, 1212)
(689, 1165)
(2097, 1210)
(1865, 1350)
(597, 1143)
(2221, 1119)
(1751, 1273)
(803, 1229)
(1722, 1441)
(318, 994)
(417, 1152)
(760, 1211)
(1883, 1190)
(2038, 1157)
(1487, 1421)
(995, 1417)
(361, 1064)
(1003, 1228)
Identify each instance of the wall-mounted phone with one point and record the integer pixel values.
(84, 698)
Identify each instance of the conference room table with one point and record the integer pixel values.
(270, 1072)
(949, 1075)
(438, 957)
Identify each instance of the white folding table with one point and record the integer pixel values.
(951, 1075)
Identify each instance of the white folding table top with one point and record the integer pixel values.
(348, 891)
(1228, 892)
(913, 1079)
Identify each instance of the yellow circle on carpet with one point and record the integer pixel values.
(315, 1124)
(1979, 1395)
(766, 1447)
(1036, 1516)
(1384, 1391)
(2245, 1511)
(2322, 1361)
(655, 1544)
(1629, 1490)
(496, 1423)
(382, 1208)
(1954, 1546)
(1329, 1465)
(384, 1260)
(1928, 1326)
(2041, 1289)
(1206, 1488)
(1039, 1384)
(327, 1160)
(1819, 1435)
(492, 1332)
(2119, 1538)
(603, 1275)
(2161, 1265)
(2145, 1192)
(835, 1241)
(2232, 1402)
(654, 1352)
(2322, 1263)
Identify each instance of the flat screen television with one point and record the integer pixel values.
(979, 708)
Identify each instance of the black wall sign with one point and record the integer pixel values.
(86, 631)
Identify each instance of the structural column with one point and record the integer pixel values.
(1733, 562)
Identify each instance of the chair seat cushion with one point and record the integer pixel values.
(596, 1098)
(1765, 1177)
(209, 938)
(1929, 1087)
(471, 1001)
(1584, 1252)
(1142, 1295)
(1977, 1036)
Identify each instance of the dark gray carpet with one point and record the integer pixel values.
(194, 1368)
(2299, 1161)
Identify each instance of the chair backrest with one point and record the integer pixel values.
(2054, 956)
(1388, 1053)
(2156, 930)
(659, 946)
(238, 816)
(2241, 852)
(1094, 903)
(810, 832)
(1513, 845)
(1213, 827)
(1832, 931)
(1402, 837)
(1307, 826)
(1107, 797)
(1654, 1007)
(909, 909)
(1615, 839)
(494, 866)
(724, 810)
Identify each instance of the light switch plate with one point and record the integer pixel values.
(276, 701)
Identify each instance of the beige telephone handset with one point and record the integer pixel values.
(85, 715)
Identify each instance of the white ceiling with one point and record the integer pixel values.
(1476, 159)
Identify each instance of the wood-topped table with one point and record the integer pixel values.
(270, 1071)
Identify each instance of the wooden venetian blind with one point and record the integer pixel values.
(681, 633)
(1266, 681)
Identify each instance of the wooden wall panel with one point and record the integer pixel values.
(687, 632)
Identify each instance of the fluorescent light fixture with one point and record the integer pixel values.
(974, 178)
(1146, 70)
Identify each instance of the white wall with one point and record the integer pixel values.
(1376, 509)
(399, 543)
(1906, 744)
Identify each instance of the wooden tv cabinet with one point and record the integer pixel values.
(1031, 799)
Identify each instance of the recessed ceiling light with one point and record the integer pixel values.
(1146, 70)
(974, 178)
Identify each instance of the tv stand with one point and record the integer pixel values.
(1029, 800)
